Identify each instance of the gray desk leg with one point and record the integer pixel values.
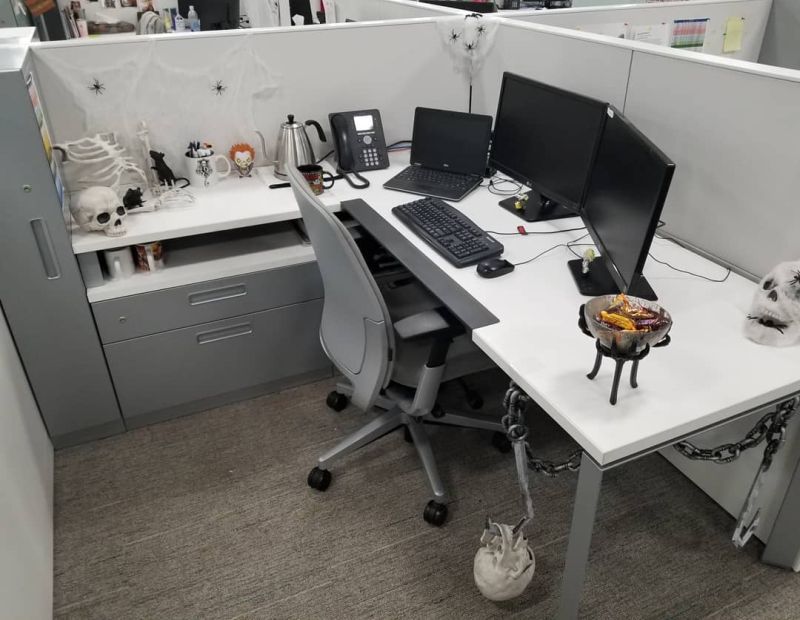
(783, 545)
(580, 538)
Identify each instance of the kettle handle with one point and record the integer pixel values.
(319, 130)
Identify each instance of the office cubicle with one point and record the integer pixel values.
(729, 131)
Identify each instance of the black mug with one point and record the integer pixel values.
(316, 177)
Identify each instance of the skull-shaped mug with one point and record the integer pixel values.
(774, 317)
(99, 208)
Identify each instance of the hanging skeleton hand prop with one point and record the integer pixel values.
(100, 209)
(774, 317)
(504, 564)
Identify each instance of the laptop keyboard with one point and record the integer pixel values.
(440, 178)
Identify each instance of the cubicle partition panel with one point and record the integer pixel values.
(654, 22)
(378, 10)
(221, 87)
(584, 63)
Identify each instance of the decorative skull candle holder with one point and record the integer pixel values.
(774, 317)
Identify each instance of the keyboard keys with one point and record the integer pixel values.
(448, 231)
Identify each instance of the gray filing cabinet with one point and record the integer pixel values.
(41, 290)
(182, 349)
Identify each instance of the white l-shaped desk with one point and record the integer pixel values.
(526, 322)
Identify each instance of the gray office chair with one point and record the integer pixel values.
(395, 347)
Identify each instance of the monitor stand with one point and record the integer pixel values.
(599, 281)
(537, 208)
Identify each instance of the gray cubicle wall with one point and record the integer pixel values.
(754, 13)
(576, 61)
(781, 46)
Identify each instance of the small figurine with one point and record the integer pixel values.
(164, 172)
(243, 156)
(133, 199)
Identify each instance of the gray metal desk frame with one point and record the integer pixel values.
(590, 477)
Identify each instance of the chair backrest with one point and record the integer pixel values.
(356, 331)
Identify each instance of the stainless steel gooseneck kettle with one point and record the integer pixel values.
(293, 144)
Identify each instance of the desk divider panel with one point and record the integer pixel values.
(754, 12)
(732, 129)
(584, 63)
(308, 73)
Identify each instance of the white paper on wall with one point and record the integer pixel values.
(657, 34)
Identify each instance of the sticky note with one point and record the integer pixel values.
(734, 30)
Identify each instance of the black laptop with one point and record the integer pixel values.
(448, 154)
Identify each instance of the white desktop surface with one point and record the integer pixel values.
(709, 373)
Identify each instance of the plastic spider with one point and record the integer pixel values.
(481, 30)
(97, 87)
(219, 87)
(454, 36)
(470, 46)
(795, 281)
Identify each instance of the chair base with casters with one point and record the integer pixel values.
(402, 407)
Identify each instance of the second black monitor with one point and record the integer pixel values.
(545, 138)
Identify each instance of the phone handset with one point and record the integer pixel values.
(345, 163)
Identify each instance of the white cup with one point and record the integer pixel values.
(119, 263)
(204, 171)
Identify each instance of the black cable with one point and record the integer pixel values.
(394, 144)
(324, 157)
(691, 273)
(497, 180)
(560, 245)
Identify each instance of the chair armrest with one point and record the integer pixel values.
(428, 324)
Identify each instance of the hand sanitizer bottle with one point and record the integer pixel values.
(193, 19)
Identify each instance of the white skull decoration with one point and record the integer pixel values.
(504, 563)
(774, 317)
(99, 208)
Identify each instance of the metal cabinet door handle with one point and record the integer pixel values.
(217, 294)
(234, 331)
(46, 250)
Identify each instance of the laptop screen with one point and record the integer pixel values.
(453, 141)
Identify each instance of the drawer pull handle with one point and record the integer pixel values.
(46, 250)
(234, 331)
(217, 294)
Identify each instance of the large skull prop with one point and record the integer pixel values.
(774, 317)
(99, 208)
(504, 563)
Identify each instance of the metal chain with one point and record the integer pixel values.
(515, 402)
(771, 427)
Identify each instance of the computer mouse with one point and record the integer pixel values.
(494, 268)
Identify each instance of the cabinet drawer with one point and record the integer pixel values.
(185, 365)
(160, 311)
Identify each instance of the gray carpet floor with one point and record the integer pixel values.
(209, 516)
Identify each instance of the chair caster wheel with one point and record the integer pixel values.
(435, 513)
(319, 479)
(407, 435)
(474, 400)
(337, 401)
(501, 442)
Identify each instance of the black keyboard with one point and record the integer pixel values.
(448, 231)
(437, 177)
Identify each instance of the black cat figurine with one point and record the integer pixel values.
(164, 172)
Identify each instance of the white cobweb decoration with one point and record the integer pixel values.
(468, 40)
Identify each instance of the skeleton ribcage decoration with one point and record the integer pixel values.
(98, 161)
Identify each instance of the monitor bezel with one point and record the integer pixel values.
(661, 198)
(533, 184)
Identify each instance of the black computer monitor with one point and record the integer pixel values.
(624, 198)
(545, 138)
(213, 14)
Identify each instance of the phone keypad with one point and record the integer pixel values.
(370, 157)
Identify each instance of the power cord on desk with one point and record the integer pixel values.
(691, 273)
(396, 146)
(560, 245)
(525, 233)
(496, 180)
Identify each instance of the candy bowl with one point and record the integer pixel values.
(609, 319)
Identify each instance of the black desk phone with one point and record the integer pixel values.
(359, 142)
